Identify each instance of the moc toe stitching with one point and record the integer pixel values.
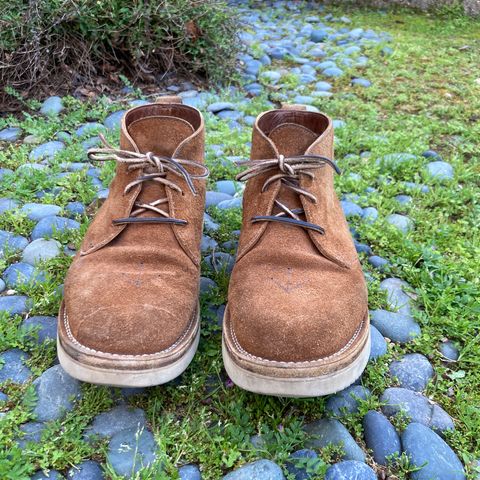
(119, 355)
(300, 363)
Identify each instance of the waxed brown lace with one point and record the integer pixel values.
(154, 168)
(289, 171)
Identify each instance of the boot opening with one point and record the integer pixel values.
(315, 122)
(161, 128)
(184, 112)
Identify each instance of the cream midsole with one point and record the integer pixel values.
(296, 387)
(127, 378)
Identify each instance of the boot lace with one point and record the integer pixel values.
(154, 168)
(291, 169)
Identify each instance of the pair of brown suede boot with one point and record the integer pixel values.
(296, 323)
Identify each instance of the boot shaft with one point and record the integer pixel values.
(292, 132)
(168, 130)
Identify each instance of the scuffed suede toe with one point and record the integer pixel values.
(294, 319)
(122, 310)
(95, 330)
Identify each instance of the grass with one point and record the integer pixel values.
(426, 95)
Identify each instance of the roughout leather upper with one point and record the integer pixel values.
(133, 289)
(295, 295)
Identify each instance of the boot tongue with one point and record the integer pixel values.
(161, 135)
(291, 139)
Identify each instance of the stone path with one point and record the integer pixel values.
(295, 61)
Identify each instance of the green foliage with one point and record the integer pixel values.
(16, 222)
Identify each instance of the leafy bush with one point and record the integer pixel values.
(64, 43)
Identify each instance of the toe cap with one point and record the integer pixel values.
(294, 320)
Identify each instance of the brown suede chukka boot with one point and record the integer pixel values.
(296, 322)
(130, 314)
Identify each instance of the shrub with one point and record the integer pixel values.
(65, 43)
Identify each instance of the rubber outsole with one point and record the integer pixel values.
(126, 378)
(296, 387)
